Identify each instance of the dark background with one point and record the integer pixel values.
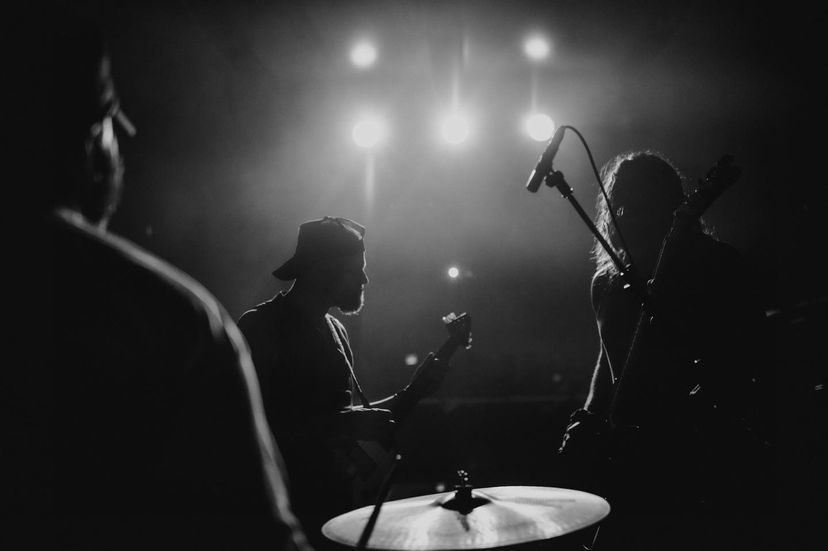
(244, 112)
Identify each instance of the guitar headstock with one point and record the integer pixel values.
(720, 177)
(459, 328)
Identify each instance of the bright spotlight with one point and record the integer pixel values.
(540, 127)
(363, 55)
(454, 272)
(368, 133)
(536, 47)
(455, 129)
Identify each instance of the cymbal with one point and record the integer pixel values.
(492, 517)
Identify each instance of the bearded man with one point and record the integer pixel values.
(305, 364)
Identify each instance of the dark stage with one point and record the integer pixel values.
(246, 113)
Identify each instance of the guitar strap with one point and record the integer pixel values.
(345, 349)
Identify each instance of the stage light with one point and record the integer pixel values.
(363, 55)
(536, 47)
(455, 128)
(368, 133)
(454, 272)
(539, 126)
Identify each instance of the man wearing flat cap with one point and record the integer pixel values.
(313, 400)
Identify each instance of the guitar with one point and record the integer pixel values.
(370, 460)
(625, 438)
(632, 440)
(720, 177)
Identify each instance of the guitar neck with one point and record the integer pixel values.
(447, 349)
(634, 370)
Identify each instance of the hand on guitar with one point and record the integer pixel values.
(583, 449)
(430, 374)
(428, 377)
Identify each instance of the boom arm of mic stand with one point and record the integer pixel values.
(556, 180)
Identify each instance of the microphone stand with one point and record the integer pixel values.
(555, 179)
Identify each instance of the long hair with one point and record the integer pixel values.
(630, 168)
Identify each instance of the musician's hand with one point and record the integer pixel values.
(428, 377)
(362, 423)
(583, 450)
(585, 435)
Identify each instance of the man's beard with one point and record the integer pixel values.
(351, 303)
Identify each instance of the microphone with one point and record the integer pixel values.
(544, 165)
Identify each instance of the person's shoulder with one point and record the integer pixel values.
(253, 318)
(270, 308)
(274, 318)
(140, 272)
(601, 281)
(169, 276)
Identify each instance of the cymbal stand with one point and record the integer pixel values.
(381, 497)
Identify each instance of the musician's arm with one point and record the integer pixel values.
(598, 399)
(602, 376)
(387, 402)
(424, 382)
(582, 445)
(582, 440)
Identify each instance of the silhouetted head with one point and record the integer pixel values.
(83, 110)
(330, 260)
(644, 189)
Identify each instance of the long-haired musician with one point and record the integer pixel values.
(669, 430)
